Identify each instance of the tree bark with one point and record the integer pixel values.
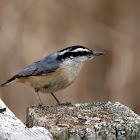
(90, 121)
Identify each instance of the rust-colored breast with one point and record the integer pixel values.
(47, 83)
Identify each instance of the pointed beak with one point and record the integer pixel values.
(98, 53)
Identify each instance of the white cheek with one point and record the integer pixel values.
(81, 59)
(68, 62)
(78, 60)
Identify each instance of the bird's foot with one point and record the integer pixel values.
(64, 104)
(41, 104)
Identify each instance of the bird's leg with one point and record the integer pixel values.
(56, 99)
(38, 97)
(58, 102)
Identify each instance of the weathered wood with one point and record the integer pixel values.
(11, 128)
(92, 121)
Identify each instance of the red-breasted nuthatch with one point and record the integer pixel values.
(54, 72)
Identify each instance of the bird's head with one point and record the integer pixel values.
(77, 54)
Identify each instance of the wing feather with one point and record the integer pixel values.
(38, 68)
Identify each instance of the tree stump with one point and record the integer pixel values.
(90, 121)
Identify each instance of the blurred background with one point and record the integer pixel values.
(31, 30)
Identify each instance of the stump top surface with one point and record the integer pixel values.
(77, 116)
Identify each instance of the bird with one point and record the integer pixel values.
(55, 71)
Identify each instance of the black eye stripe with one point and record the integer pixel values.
(73, 54)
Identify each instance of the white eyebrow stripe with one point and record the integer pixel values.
(80, 50)
(61, 53)
(76, 50)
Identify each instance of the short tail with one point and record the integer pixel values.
(10, 81)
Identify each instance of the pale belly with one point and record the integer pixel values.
(51, 82)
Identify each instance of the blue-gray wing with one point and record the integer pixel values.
(38, 68)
